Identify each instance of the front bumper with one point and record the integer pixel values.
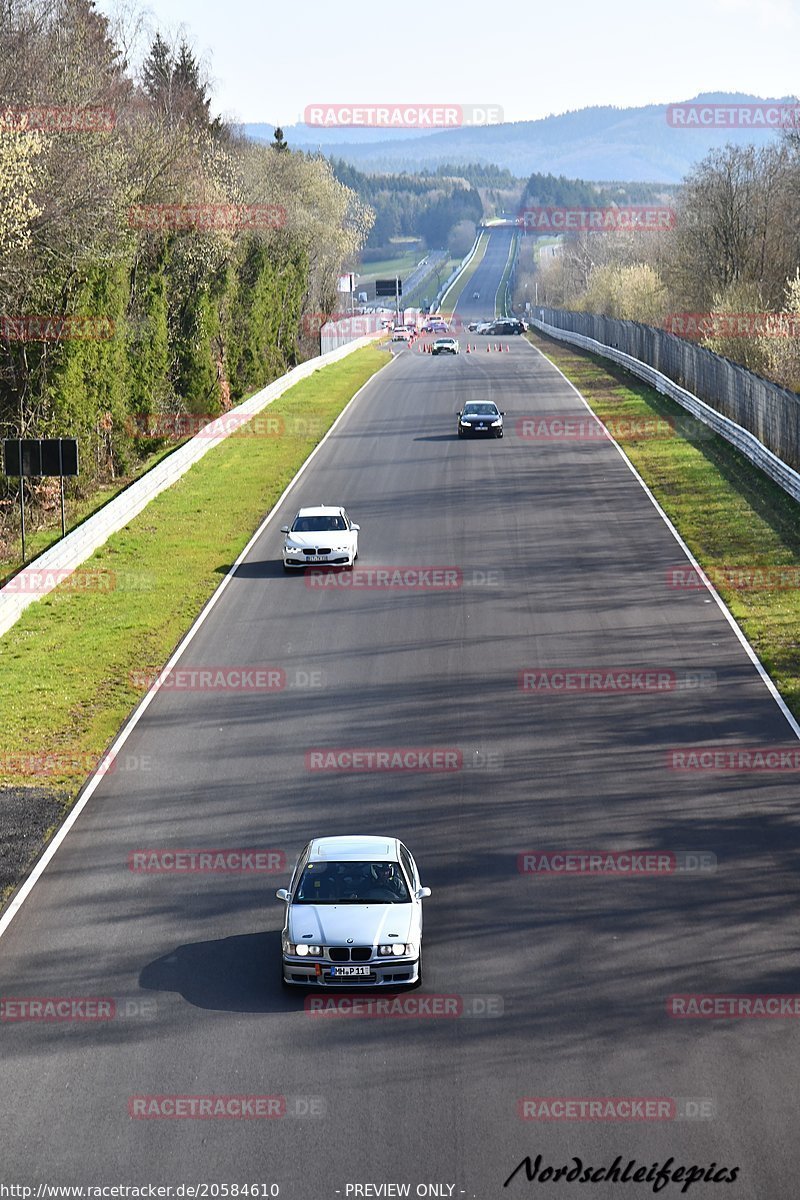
(392, 972)
(474, 431)
(298, 562)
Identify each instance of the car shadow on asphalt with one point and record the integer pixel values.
(232, 974)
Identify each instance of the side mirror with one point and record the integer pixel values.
(284, 528)
(503, 413)
(357, 528)
(458, 414)
(422, 893)
(284, 894)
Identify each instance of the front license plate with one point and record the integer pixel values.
(317, 558)
(348, 972)
(481, 427)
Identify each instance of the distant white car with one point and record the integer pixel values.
(353, 915)
(401, 335)
(324, 534)
(446, 345)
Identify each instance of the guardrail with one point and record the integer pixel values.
(44, 573)
(744, 441)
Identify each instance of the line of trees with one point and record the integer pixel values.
(202, 312)
(428, 205)
(734, 249)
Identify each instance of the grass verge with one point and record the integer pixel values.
(458, 285)
(741, 527)
(67, 668)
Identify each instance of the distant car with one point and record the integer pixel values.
(476, 295)
(480, 417)
(401, 335)
(324, 534)
(353, 915)
(478, 326)
(504, 327)
(435, 325)
(446, 345)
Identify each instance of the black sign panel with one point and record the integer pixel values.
(36, 457)
(388, 287)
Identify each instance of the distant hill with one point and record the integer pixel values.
(607, 143)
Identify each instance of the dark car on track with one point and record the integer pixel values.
(481, 418)
(504, 327)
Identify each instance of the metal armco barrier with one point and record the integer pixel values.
(68, 554)
(771, 413)
(746, 442)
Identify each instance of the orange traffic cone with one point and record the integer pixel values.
(488, 347)
(467, 347)
(508, 349)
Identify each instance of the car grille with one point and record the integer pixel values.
(350, 953)
(319, 550)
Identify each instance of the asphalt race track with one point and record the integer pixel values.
(540, 555)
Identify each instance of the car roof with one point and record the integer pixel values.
(320, 510)
(353, 847)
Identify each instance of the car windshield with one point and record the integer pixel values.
(480, 410)
(318, 524)
(352, 883)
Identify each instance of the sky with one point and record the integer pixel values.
(268, 61)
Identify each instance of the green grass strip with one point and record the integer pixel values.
(67, 666)
(502, 291)
(463, 279)
(741, 527)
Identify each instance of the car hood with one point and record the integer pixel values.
(330, 537)
(363, 924)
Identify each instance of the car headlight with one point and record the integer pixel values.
(396, 950)
(303, 949)
(463, 422)
(291, 548)
(499, 421)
